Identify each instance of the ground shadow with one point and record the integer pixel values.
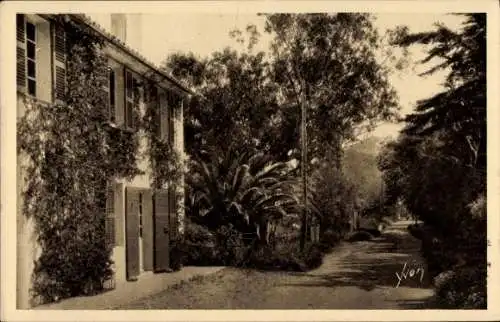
(376, 265)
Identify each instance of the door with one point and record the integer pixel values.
(161, 228)
(132, 233)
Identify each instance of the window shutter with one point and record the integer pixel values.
(129, 99)
(112, 95)
(164, 116)
(21, 51)
(105, 95)
(110, 215)
(171, 118)
(136, 93)
(162, 231)
(155, 106)
(59, 62)
(120, 95)
(173, 212)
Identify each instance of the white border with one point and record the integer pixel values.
(8, 153)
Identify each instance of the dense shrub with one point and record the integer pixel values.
(287, 258)
(360, 236)
(230, 248)
(267, 258)
(198, 246)
(312, 256)
(464, 288)
(329, 239)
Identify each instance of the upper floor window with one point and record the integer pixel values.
(26, 54)
(31, 57)
(110, 93)
(132, 97)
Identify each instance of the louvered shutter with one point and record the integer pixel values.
(129, 99)
(136, 102)
(164, 116)
(59, 62)
(21, 52)
(161, 224)
(105, 96)
(155, 106)
(148, 232)
(173, 213)
(171, 118)
(112, 95)
(110, 215)
(132, 233)
(120, 95)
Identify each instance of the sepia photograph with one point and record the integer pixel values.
(250, 160)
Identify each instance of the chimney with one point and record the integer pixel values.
(119, 26)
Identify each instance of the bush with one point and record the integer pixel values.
(328, 240)
(288, 258)
(178, 254)
(360, 236)
(464, 288)
(313, 256)
(198, 247)
(267, 258)
(230, 248)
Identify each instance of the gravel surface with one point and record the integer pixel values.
(358, 275)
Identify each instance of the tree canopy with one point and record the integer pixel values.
(438, 164)
(329, 60)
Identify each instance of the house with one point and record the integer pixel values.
(139, 224)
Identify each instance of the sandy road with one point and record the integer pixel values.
(360, 275)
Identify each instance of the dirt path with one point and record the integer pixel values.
(360, 275)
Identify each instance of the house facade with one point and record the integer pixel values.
(139, 223)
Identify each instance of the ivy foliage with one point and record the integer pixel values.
(70, 153)
(165, 161)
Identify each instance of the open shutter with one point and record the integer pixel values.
(132, 233)
(137, 98)
(59, 62)
(155, 106)
(173, 213)
(112, 95)
(120, 95)
(148, 233)
(161, 223)
(105, 92)
(21, 52)
(171, 118)
(164, 116)
(129, 99)
(110, 214)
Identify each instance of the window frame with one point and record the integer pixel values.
(28, 59)
(110, 89)
(130, 99)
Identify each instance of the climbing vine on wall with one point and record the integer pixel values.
(165, 162)
(68, 154)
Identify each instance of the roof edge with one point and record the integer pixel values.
(83, 18)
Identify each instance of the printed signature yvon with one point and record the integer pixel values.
(410, 272)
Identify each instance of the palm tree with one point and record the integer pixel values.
(246, 190)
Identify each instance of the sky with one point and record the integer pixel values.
(204, 33)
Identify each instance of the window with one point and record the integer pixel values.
(26, 54)
(31, 57)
